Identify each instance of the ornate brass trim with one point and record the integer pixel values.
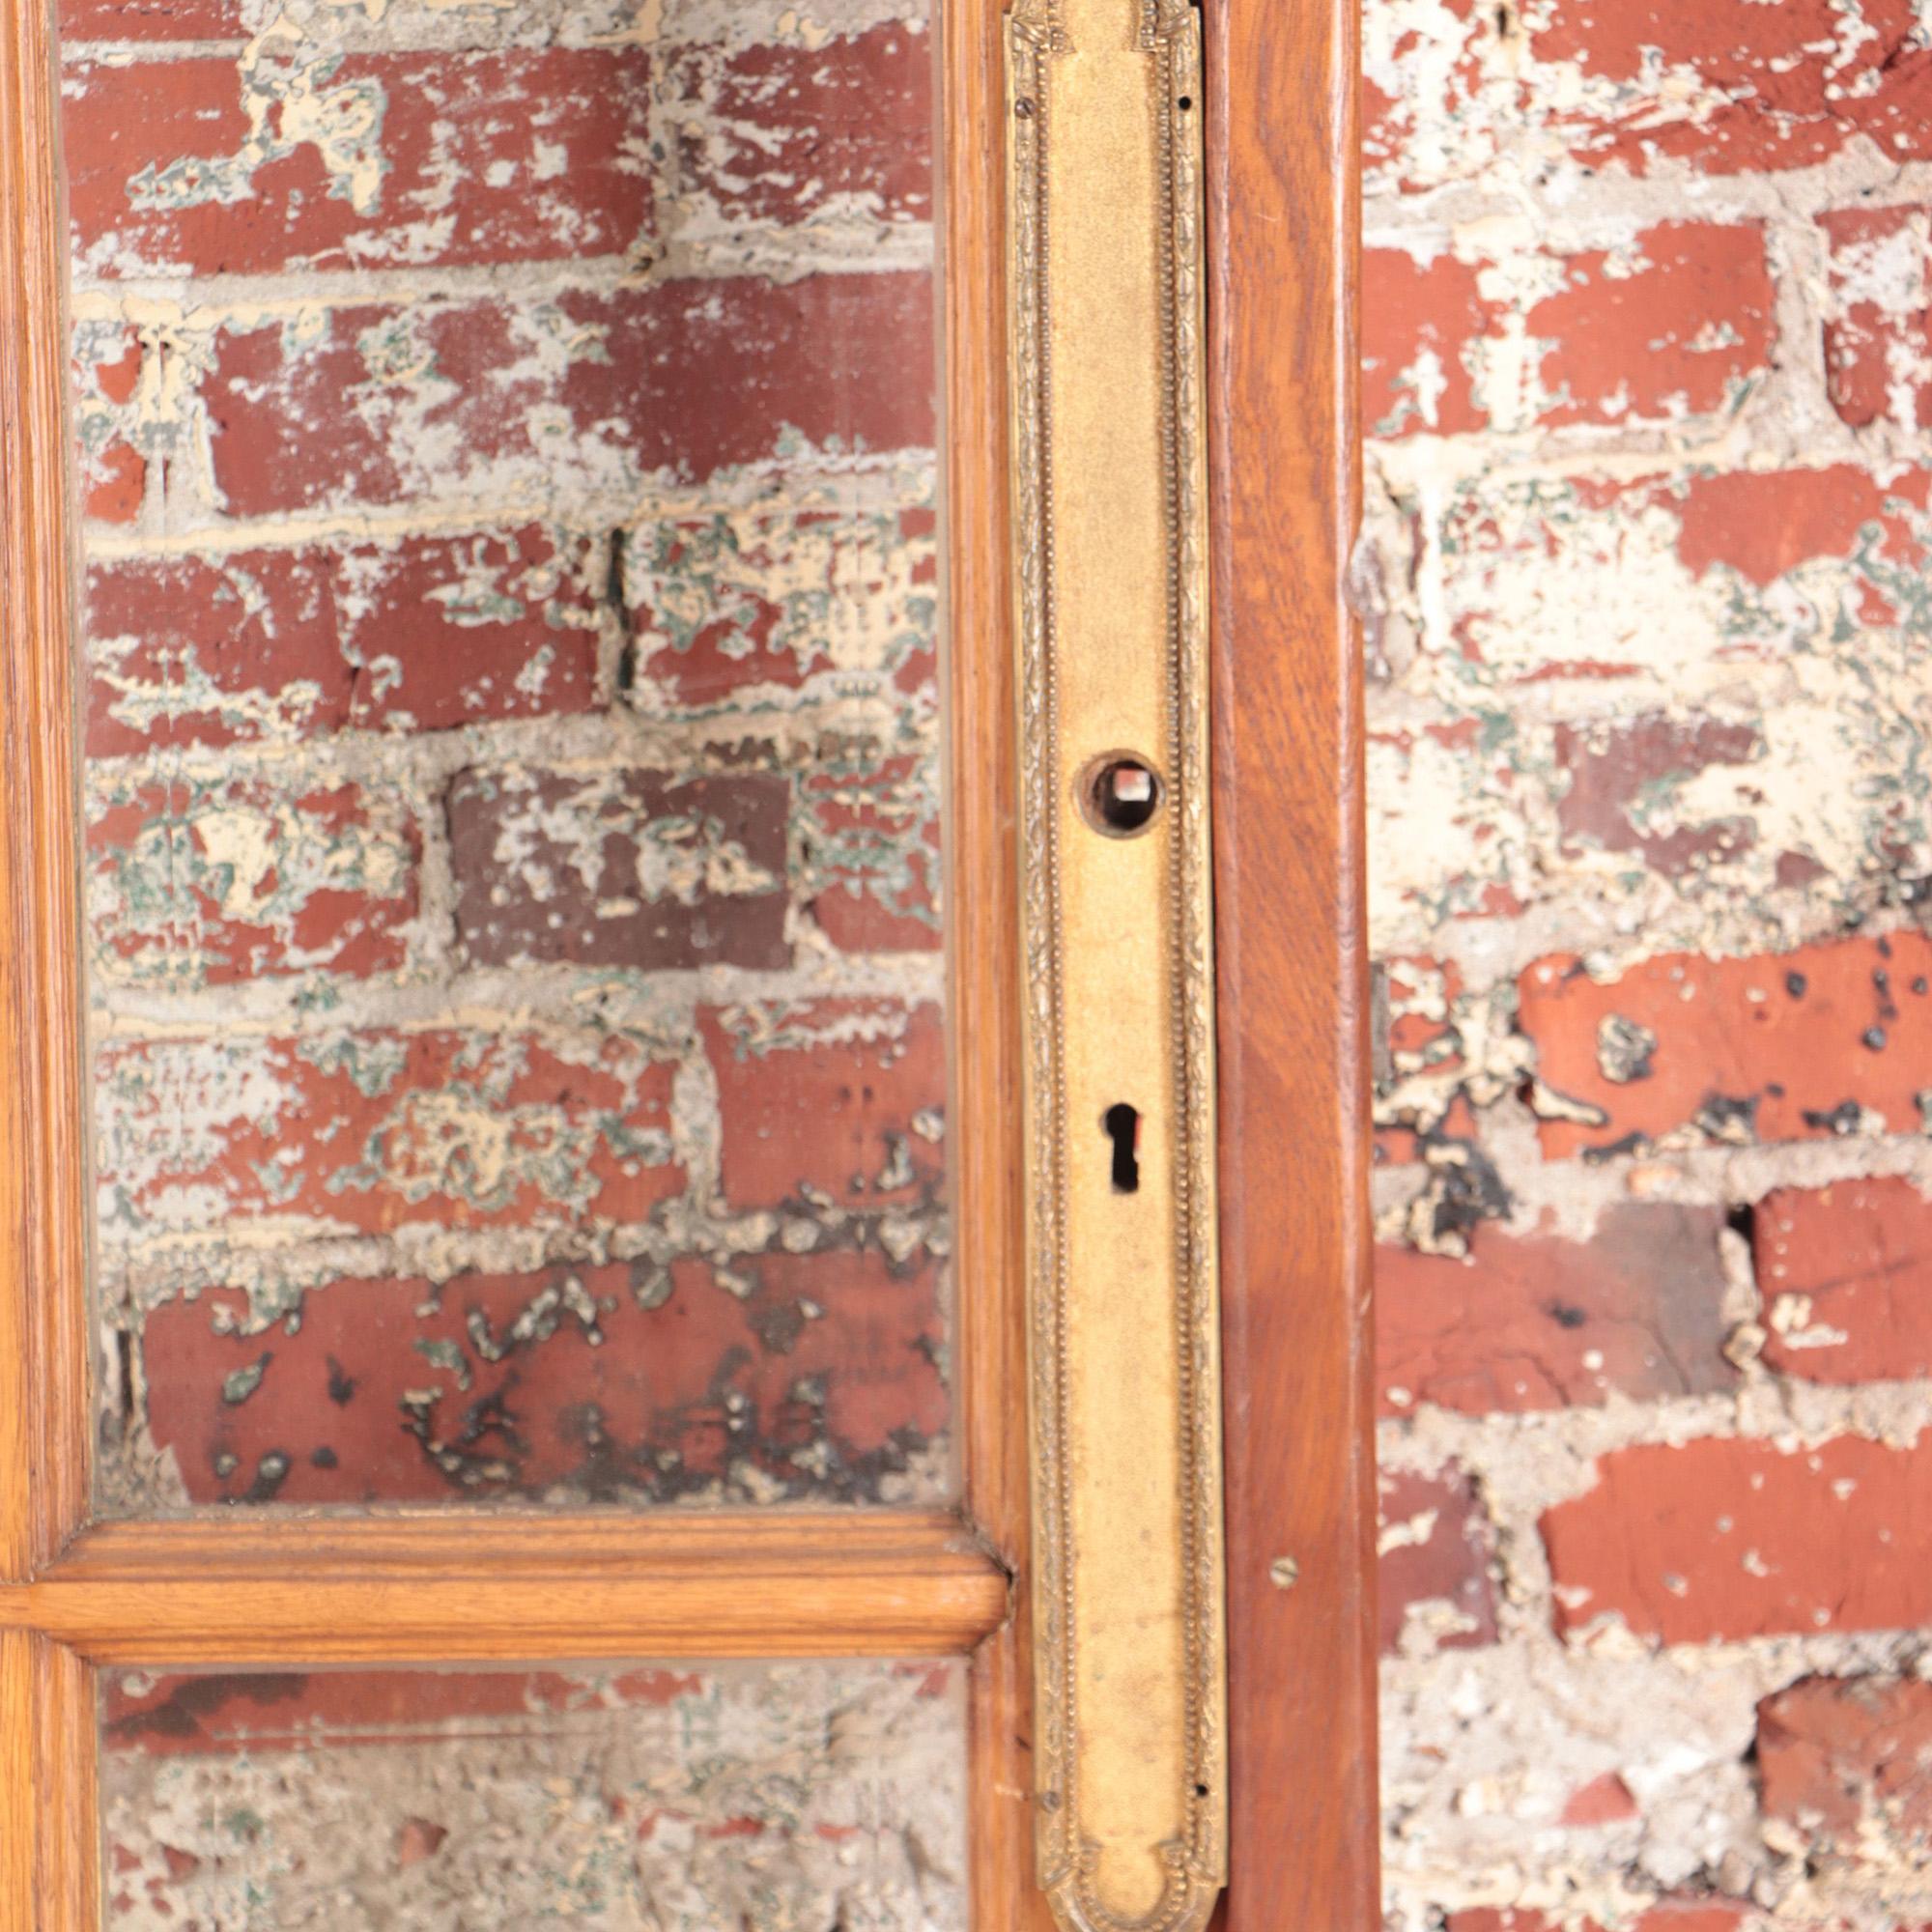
(1109, 591)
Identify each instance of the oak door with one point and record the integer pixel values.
(514, 1332)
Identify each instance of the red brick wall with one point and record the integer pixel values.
(511, 730)
(1648, 366)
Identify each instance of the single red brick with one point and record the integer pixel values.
(818, 1370)
(723, 604)
(1848, 1761)
(684, 378)
(1877, 340)
(1846, 1276)
(1434, 1575)
(369, 1131)
(1670, 325)
(425, 633)
(841, 1097)
(1535, 1321)
(1672, 332)
(326, 160)
(1791, 1046)
(787, 133)
(1422, 327)
(1723, 1540)
(1732, 86)
(212, 882)
(637, 869)
(1764, 524)
(1615, 765)
(196, 1714)
(113, 481)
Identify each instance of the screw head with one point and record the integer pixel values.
(1284, 1572)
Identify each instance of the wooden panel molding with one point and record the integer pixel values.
(422, 1589)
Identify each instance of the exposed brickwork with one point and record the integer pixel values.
(507, 454)
(503, 1799)
(1649, 641)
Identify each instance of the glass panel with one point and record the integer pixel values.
(511, 749)
(781, 1798)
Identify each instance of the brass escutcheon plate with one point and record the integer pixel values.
(1109, 573)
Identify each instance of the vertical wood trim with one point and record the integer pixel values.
(49, 1825)
(44, 1350)
(983, 908)
(1284, 449)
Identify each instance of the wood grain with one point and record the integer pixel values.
(1284, 218)
(49, 1834)
(43, 1348)
(983, 910)
(422, 1589)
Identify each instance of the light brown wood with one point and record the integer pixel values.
(43, 1354)
(49, 1834)
(1284, 447)
(281, 1590)
(982, 909)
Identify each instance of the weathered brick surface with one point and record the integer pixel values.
(1727, 1540)
(210, 166)
(501, 1800)
(1674, 321)
(806, 1374)
(1650, 656)
(1845, 1273)
(1831, 1039)
(421, 634)
(383, 403)
(1536, 1322)
(1878, 321)
(507, 447)
(1434, 1577)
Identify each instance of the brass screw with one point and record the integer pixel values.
(1284, 1572)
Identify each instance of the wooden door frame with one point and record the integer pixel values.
(392, 1587)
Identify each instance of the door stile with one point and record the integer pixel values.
(43, 1329)
(1283, 210)
(983, 905)
(50, 1831)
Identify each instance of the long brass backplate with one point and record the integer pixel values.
(1104, 111)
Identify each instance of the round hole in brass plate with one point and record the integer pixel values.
(1119, 794)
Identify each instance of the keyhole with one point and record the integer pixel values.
(1122, 1123)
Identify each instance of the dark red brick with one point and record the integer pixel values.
(1724, 1539)
(1846, 1276)
(208, 166)
(683, 378)
(841, 1097)
(1791, 1046)
(425, 634)
(1536, 1322)
(1615, 765)
(635, 868)
(1434, 1577)
(612, 1382)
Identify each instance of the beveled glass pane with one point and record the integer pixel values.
(511, 762)
(775, 1797)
